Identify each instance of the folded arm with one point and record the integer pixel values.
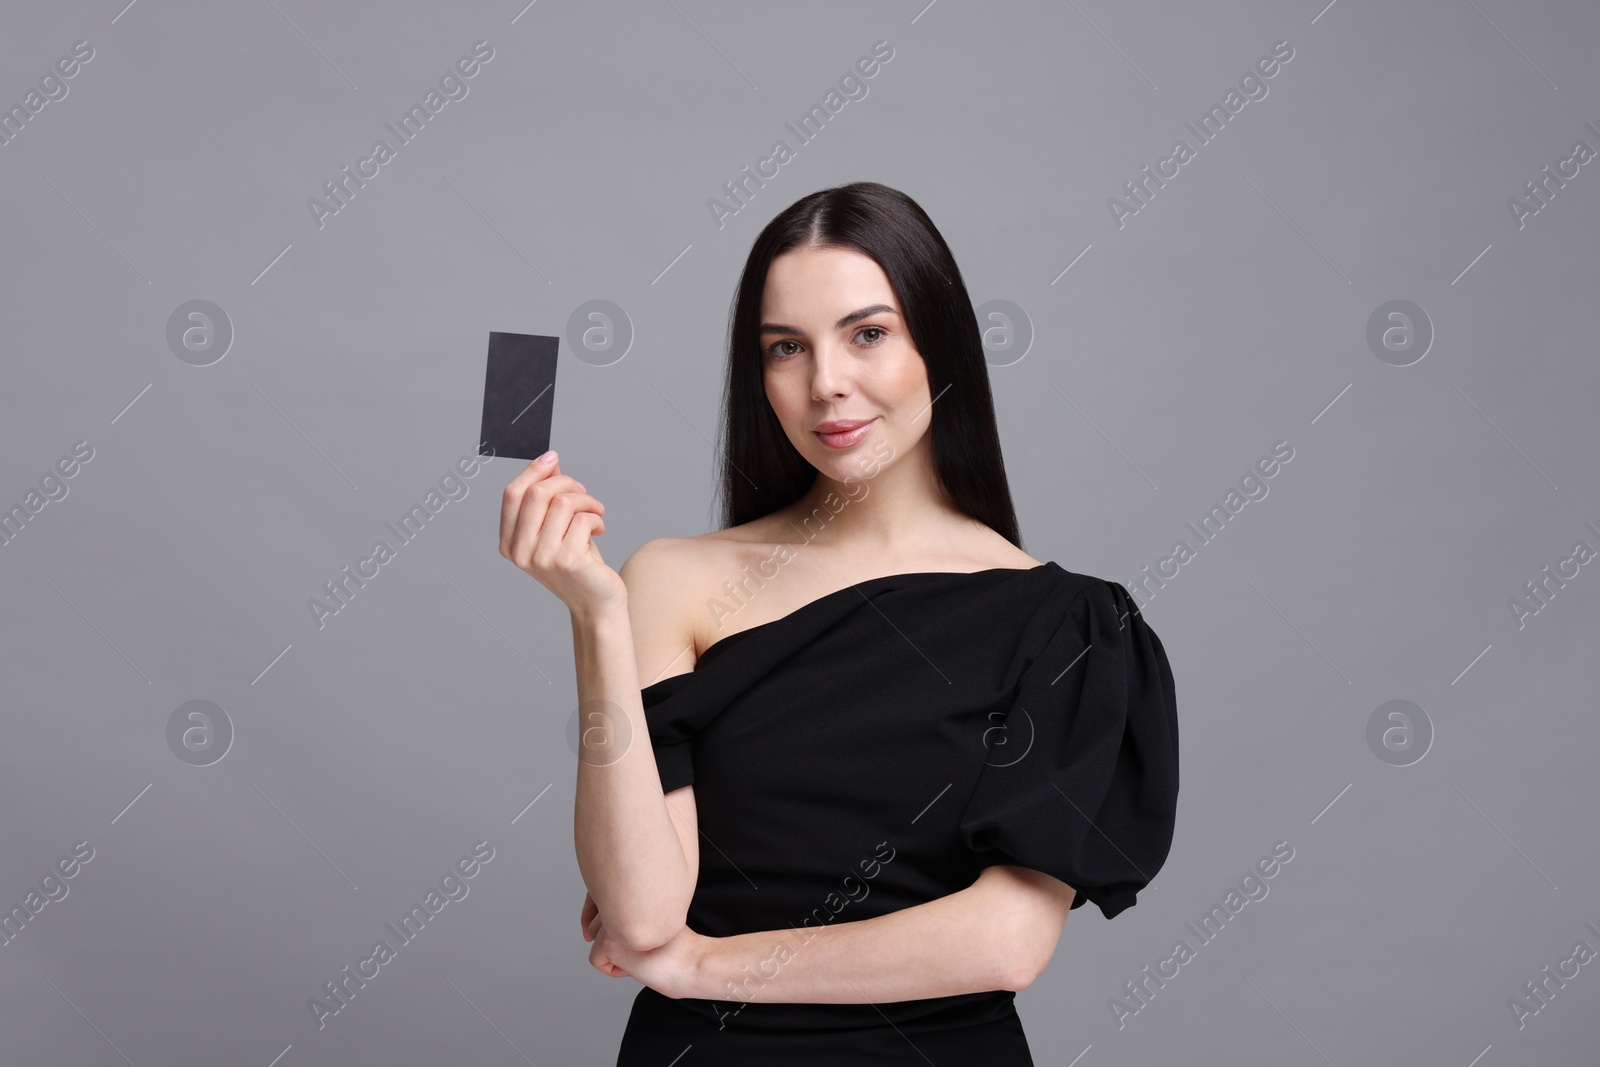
(998, 933)
(637, 850)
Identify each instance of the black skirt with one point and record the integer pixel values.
(680, 1033)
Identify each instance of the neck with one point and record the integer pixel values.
(875, 516)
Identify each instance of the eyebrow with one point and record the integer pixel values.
(854, 316)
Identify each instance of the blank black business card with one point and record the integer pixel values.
(519, 395)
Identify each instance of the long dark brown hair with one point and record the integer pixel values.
(761, 470)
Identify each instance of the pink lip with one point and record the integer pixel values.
(854, 431)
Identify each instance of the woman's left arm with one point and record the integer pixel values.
(998, 933)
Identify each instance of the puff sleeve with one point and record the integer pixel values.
(1085, 785)
(672, 726)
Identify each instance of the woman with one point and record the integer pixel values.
(884, 751)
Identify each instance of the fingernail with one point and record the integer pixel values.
(548, 457)
(582, 488)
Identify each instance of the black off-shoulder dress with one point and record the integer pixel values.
(877, 748)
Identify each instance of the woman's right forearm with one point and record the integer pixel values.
(628, 849)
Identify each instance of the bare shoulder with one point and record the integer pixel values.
(657, 577)
(1012, 556)
(649, 573)
(667, 570)
(989, 549)
(669, 581)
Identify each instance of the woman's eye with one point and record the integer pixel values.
(778, 350)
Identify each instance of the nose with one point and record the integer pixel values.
(830, 372)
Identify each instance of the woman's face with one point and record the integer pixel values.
(834, 348)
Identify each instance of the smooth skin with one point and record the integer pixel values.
(834, 346)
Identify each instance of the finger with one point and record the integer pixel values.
(530, 516)
(524, 501)
(556, 538)
(511, 499)
(578, 549)
(600, 962)
(598, 956)
(557, 534)
(516, 493)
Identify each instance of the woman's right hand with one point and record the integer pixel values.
(590, 921)
(547, 522)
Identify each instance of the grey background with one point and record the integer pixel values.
(1227, 315)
